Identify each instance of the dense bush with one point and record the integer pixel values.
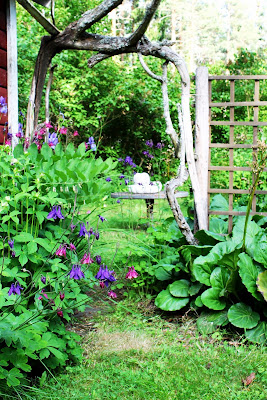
(46, 245)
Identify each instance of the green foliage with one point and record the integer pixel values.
(37, 291)
(226, 280)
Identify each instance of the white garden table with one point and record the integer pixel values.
(148, 197)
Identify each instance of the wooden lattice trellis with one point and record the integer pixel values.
(232, 145)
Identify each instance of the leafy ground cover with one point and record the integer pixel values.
(133, 353)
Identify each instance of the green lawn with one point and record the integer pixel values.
(133, 353)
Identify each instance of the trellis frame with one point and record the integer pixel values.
(204, 145)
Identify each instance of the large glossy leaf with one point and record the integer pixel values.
(257, 334)
(18, 151)
(238, 231)
(209, 321)
(258, 248)
(262, 284)
(242, 316)
(165, 301)
(180, 288)
(203, 266)
(211, 299)
(219, 279)
(219, 226)
(249, 272)
(219, 203)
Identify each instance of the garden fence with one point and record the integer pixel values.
(223, 139)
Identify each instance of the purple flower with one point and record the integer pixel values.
(122, 176)
(118, 201)
(108, 179)
(102, 218)
(146, 153)
(83, 230)
(87, 259)
(97, 235)
(120, 159)
(72, 247)
(126, 181)
(3, 105)
(52, 140)
(43, 279)
(149, 143)
(14, 289)
(61, 251)
(76, 272)
(20, 132)
(98, 259)
(105, 275)
(160, 145)
(72, 227)
(91, 143)
(11, 244)
(55, 213)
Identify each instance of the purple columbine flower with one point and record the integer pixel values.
(55, 213)
(76, 272)
(97, 235)
(112, 294)
(3, 105)
(105, 275)
(61, 251)
(43, 279)
(126, 181)
(72, 247)
(15, 288)
(87, 259)
(118, 201)
(98, 259)
(108, 179)
(52, 140)
(11, 244)
(122, 176)
(91, 143)
(102, 218)
(72, 227)
(149, 143)
(160, 145)
(83, 230)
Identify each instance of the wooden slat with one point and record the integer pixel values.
(228, 168)
(233, 146)
(255, 133)
(240, 104)
(3, 77)
(236, 191)
(236, 77)
(3, 58)
(144, 196)
(3, 43)
(2, 20)
(238, 123)
(213, 212)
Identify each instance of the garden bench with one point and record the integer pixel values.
(148, 197)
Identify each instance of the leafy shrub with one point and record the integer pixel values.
(46, 251)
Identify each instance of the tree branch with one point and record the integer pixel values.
(90, 17)
(148, 70)
(140, 31)
(47, 25)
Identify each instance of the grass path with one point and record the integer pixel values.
(141, 356)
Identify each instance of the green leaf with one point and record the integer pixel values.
(23, 237)
(242, 316)
(60, 356)
(194, 288)
(258, 248)
(211, 299)
(165, 301)
(262, 284)
(219, 226)
(257, 334)
(23, 259)
(238, 231)
(33, 152)
(162, 274)
(249, 272)
(59, 150)
(208, 322)
(180, 288)
(44, 353)
(47, 244)
(18, 151)
(219, 203)
(32, 247)
(46, 152)
(13, 375)
(209, 237)
(219, 279)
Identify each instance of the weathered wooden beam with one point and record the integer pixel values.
(12, 71)
(238, 123)
(46, 24)
(236, 77)
(240, 104)
(202, 134)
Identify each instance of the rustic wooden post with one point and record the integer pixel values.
(202, 134)
(12, 71)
